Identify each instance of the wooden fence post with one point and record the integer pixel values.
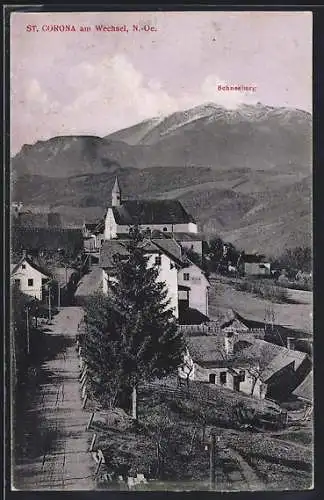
(93, 442)
(84, 381)
(90, 421)
(212, 462)
(98, 467)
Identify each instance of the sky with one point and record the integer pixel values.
(93, 83)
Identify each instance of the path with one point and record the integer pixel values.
(64, 462)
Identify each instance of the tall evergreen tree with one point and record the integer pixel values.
(103, 349)
(146, 339)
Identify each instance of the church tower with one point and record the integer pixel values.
(116, 194)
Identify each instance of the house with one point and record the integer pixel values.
(234, 322)
(187, 284)
(254, 265)
(191, 276)
(92, 236)
(30, 277)
(163, 215)
(243, 363)
(164, 253)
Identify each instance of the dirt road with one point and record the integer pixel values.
(56, 441)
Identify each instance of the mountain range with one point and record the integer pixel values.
(244, 174)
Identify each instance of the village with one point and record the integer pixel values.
(237, 370)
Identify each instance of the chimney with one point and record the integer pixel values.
(291, 343)
(229, 343)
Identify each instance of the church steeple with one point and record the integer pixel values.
(116, 194)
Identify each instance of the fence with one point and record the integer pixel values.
(215, 329)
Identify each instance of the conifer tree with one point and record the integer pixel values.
(103, 349)
(146, 341)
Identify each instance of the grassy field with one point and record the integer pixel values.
(296, 315)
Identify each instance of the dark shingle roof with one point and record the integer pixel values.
(108, 250)
(114, 247)
(32, 263)
(151, 212)
(253, 259)
(210, 351)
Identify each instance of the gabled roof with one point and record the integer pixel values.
(170, 247)
(209, 350)
(305, 389)
(33, 264)
(253, 258)
(114, 247)
(278, 357)
(108, 250)
(133, 212)
(90, 283)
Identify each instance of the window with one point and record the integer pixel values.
(17, 283)
(186, 276)
(30, 282)
(23, 266)
(242, 375)
(165, 229)
(212, 378)
(158, 260)
(222, 377)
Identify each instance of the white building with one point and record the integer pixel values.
(191, 276)
(242, 363)
(186, 283)
(29, 277)
(163, 215)
(164, 253)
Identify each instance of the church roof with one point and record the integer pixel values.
(133, 212)
(116, 186)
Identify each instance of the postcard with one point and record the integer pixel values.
(161, 255)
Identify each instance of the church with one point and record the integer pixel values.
(168, 216)
(168, 229)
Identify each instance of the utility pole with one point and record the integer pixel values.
(49, 303)
(58, 295)
(27, 325)
(212, 462)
